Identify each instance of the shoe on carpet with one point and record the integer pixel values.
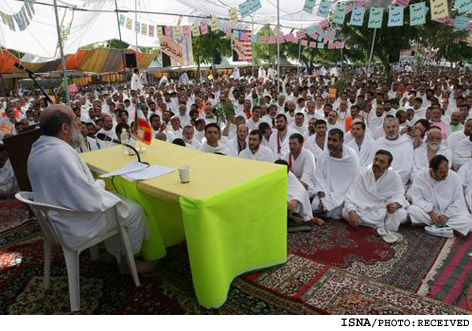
(440, 231)
(296, 226)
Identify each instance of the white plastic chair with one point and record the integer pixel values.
(51, 235)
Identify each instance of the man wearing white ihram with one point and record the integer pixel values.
(60, 177)
(438, 200)
(376, 198)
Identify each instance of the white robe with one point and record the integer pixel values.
(462, 153)
(333, 177)
(364, 152)
(136, 83)
(313, 147)
(110, 133)
(369, 199)
(421, 161)
(402, 151)
(60, 177)
(443, 197)
(233, 146)
(303, 167)
(454, 138)
(221, 148)
(296, 191)
(253, 125)
(283, 143)
(465, 174)
(193, 144)
(263, 154)
(8, 183)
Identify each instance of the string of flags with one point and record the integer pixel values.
(22, 18)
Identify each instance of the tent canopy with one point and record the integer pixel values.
(86, 22)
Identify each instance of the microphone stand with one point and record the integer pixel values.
(137, 154)
(32, 77)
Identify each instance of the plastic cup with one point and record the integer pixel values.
(184, 174)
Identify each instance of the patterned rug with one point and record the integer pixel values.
(364, 253)
(309, 283)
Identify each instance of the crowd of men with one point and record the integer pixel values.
(376, 154)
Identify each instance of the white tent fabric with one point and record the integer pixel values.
(94, 21)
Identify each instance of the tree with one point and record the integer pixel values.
(265, 52)
(206, 47)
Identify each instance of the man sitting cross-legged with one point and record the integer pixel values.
(376, 198)
(438, 200)
(336, 168)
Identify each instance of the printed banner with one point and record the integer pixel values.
(395, 16)
(308, 7)
(357, 16)
(439, 9)
(375, 18)
(340, 13)
(323, 9)
(417, 14)
(172, 49)
(463, 6)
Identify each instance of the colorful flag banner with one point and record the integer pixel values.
(340, 13)
(204, 27)
(142, 129)
(323, 8)
(233, 15)
(395, 16)
(144, 29)
(320, 45)
(177, 32)
(359, 3)
(186, 31)
(463, 6)
(214, 24)
(439, 9)
(167, 30)
(417, 14)
(151, 30)
(196, 29)
(375, 18)
(461, 22)
(324, 24)
(308, 7)
(248, 7)
(159, 31)
(172, 49)
(122, 20)
(357, 16)
(402, 3)
(137, 26)
(129, 23)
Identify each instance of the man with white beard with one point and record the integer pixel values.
(438, 200)
(187, 135)
(255, 151)
(336, 168)
(376, 198)
(432, 147)
(60, 177)
(399, 146)
(301, 162)
(361, 143)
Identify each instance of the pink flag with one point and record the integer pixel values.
(402, 3)
(324, 24)
(312, 44)
(361, 3)
(304, 42)
(314, 35)
(272, 40)
(167, 31)
(263, 39)
(301, 33)
(185, 30)
(204, 27)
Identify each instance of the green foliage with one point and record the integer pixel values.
(266, 53)
(223, 111)
(205, 47)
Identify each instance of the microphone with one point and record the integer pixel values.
(21, 67)
(104, 137)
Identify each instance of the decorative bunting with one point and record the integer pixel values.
(195, 29)
(129, 23)
(304, 42)
(177, 32)
(159, 31)
(375, 18)
(463, 6)
(186, 31)
(233, 15)
(308, 7)
(122, 20)
(324, 24)
(321, 45)
(359, 3)
(144, 29)
(137, 26)
(204, 27)
(417, 14)
(248, 7)
(151, 31)
(323, 8)
(214, 23)
(439, 9)
(402, 3)
(395, 16)
(357, 16)
(172, 49)
(461, 22)
(167, 31)
(340, 13)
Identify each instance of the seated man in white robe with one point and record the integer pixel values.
(299, 124)
(433, 146)
(60, 177)
(278, 141)
(399, 146)
(190, 141)
(237, 144)
(300, 215)
(376, 198)
(301, 162)
(255, 120)
(8, 184)
(361, 143)
(457, 136)
(336, 168)
(255, 150)
(465, 174)
(108, 128)
(438, 200)
(317, 142)
(213, 143)
(462, 152)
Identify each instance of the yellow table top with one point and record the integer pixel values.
(209, 173)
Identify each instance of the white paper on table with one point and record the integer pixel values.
(131, 167)
(148, 173)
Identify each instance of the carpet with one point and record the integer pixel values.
(363, 252)
(311, 282)
(450, 280)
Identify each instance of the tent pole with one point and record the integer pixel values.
(121, 40)
(299, 55)
(64, 69)
(372, 50)
(136, 30)
(252, 45)
(278, 47)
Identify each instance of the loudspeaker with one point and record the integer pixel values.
(130, 59)
(165, 60)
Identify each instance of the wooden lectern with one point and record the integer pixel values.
(18, 148)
